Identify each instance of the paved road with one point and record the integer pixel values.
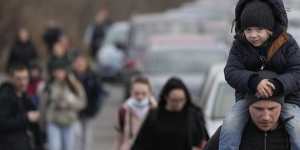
(104, 133)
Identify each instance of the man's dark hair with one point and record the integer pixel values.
(17, 67)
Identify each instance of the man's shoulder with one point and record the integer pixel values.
(6, 87)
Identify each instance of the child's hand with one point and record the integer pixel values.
(265, 88)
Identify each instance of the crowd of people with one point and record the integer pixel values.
(52, 106)
(49, 105)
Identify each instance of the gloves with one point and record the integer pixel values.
(278, 87)
(253, 82)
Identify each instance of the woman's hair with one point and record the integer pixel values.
(70, 80)
(142, 80)
(172, 84)
(73, 85)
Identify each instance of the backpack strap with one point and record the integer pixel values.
(121, 119)
(130, 123)
(276, 45)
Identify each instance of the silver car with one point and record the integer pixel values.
(217, 98)
(189, 60)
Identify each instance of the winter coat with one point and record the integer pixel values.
(13, 119)
(22, 53)
(130, 123)
(283, 57)
(255, 139)
(94, 92)
(62, 105)
(62, 60)
(161, 131)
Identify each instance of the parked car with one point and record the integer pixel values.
(217, 98)
(186, 56)
(111, 57)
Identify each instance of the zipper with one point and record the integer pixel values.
(265, 141)
(263, 61)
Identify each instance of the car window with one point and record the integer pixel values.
(182, 61)
(223, 101)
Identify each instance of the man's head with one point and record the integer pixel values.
(20, 77)
(265, 112)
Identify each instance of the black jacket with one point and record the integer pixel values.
(51, 36)
(244, 60)
(94, 92)
(13, 119)
(255, 139)
(164, 130)
(22, 53)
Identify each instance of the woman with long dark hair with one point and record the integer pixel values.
(177, 124)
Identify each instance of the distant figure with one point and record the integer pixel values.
(52, 34)
(36, 83)
(59, 53)
(34, 89)
(177, 124)
(96, 32)
(17, 113)
(133, 112)
(23, 51)
(95, 97)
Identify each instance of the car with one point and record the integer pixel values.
(111, 56)
(118, 32)
(294, 16)
(217, 98)
(143, 27)
(188, 57)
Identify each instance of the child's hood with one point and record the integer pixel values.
(278, 10)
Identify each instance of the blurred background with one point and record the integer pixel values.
(136, 37)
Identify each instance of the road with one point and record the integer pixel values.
(103, 130)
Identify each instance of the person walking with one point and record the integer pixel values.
(176, 124)
(95, 97)
(133, 112)
(264, 130)
(16, 111)
(64, 98)
(23, 51)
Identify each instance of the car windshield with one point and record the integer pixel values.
(182, 61)
(224, 101)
